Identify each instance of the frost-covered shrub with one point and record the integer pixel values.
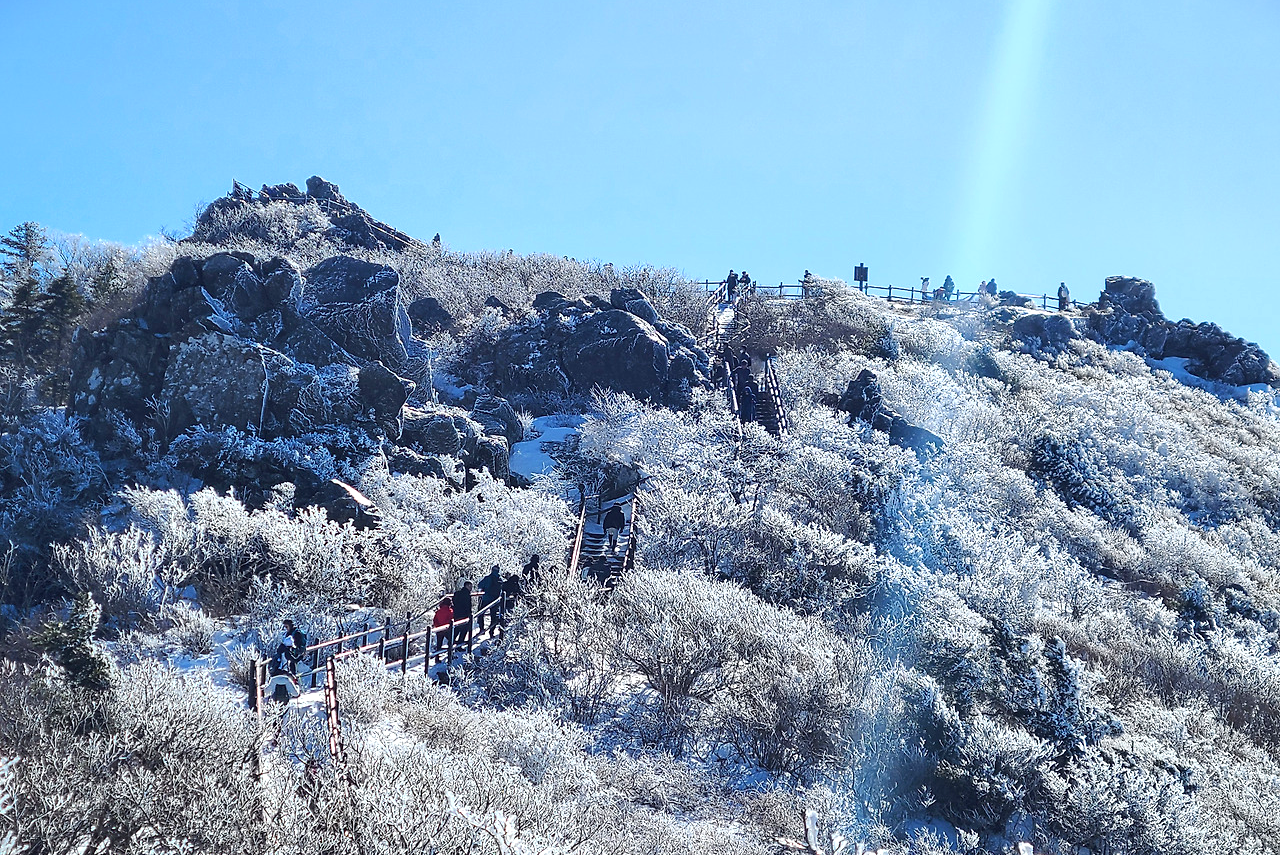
(161, 757)
(841, 318)
(48, 474)
(221, 546)
(189, 627)
(123, 571)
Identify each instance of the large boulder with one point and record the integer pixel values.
(327, 191)
(117, 369)
(219, 380)
(383, 395)
(616, 350)
(428, 317)
(497, 418)
(359, 306)
(863, 401)
(342, 279)
(1130, 295)
(1049, 333)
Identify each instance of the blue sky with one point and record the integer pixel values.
(1034, 141)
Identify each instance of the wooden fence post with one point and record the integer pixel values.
(315, 665)
(255, 688)
(404, 659)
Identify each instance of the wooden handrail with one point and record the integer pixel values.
(575, 556)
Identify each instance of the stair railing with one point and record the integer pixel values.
(775, 392)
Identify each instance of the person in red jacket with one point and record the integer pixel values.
(442, 621)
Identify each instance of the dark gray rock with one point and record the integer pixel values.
(1130, 295)
(863, 400)
(383, 394)
(431, 433)
(491, 453)
(620, 297)
(303, 340)
(118, 368)
(1013, 298)
(492, 302)
(1049, 333)
(498, 418)
(405, 461)
(428, 317)
(343, 279)
(231, 280)
(616, 350)
(275, 192)
(281, 283)
(549, 300)
(1129, 316)
(376, 329)
(318, 188)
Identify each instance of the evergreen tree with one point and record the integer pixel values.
(21, 325)
(25, 251)
(61, 309)
(73, 645)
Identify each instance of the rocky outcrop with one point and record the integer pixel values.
(1128, 315)
(348, 222)
(429, 317)
(1048, 333)
(863, 401)
(576, 346)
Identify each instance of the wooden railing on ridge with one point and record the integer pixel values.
(891, 293)
(394, 650)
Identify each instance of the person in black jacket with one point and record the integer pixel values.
(747, 403)
(294, 647)
(614, 521)
(490, 600)
(462, 611)
(1064, 298)
(512, 591)
(731, 286)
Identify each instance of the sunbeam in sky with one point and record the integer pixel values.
(999, 135)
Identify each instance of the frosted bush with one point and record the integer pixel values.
(190, 628)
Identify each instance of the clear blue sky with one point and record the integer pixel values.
(1033, 140)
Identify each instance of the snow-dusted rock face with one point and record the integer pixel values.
(580, 345)
(235, 342)
(1128, 313)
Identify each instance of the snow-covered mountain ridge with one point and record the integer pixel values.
(1058, 624)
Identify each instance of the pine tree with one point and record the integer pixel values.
(73, 645)
(21, 324)
(26, 252)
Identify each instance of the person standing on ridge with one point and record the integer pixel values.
(731, 286)
(293, 648)
(948, 288)
(1064, 297)
(744, 282)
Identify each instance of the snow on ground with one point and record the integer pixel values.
(1177, 366)
(529, 458)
